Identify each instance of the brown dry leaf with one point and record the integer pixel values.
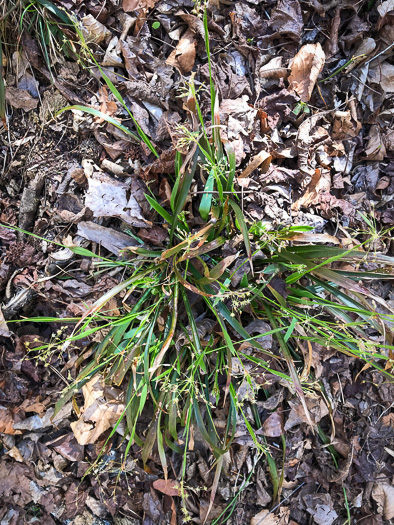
(345, 126)
(102, 410)
(375, 149)
(264, 517)
(316, 407)
(7, 420)
(311, 193)
(155, 235)
(135, 5)
(96, 31)
(20, 99)
(167, 486)
(263, 158)
(383, 494)
(305, 67)
(384, 76)
(273, 425)
(286, 19)
(184, 55)
(108, 107)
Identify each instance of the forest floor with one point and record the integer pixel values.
(309, 83)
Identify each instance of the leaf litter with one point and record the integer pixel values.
(305, 102)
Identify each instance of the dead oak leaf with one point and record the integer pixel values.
(102, 410)
(305, 67)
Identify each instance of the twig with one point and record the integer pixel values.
(379, 54)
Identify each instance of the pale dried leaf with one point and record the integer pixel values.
(305, 69)
(14, 453)
(101, 411)
(107, 197)
(110, 239)
(383, 494)
(264, 517)
(385, 7)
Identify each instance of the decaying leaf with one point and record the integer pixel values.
(103, 408)
(317, 410)
(384, 76)
(305, 69)
(286, 19)
(107, 197)
(321, 508)
(20, 98)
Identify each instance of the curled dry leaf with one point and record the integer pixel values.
(96, 31)
(305, 67)
(184, 55)
(263, 158)
(273, 425)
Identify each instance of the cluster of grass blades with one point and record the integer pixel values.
(50, 26)
(174, 349)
